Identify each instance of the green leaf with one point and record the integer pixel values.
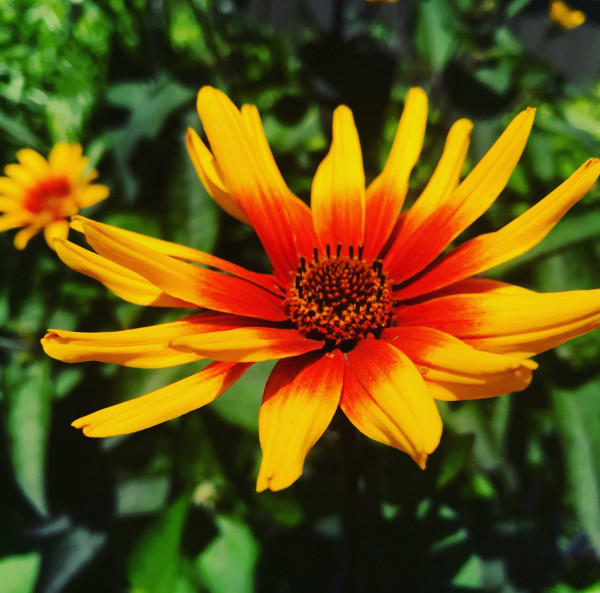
(18, 574)
(28, 393)
(576, 413)
(227, 563)
(433, 37)
(240, 403)
(154, 562)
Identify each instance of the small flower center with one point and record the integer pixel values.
(48, 196)
(340, 299)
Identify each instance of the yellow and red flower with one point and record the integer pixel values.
(41, 194)
(364, 308)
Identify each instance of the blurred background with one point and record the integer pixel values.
(509, 502)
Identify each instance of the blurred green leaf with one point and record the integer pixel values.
(28, 394)
(240, 403)
(576, 412)
(434, 38)
(227, 563)
(18, 574)
(154, 562)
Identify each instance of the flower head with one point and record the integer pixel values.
(564, 16)
(41, 194)
(363, 307)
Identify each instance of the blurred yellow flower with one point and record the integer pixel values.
(41, 194)
(565, 16)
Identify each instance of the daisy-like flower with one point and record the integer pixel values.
(364, 308)
(564, 16)
(41, 194)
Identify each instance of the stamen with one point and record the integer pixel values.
(351, 251)
(328, 248)
(360, 251)
(316, 254)
(339, 250)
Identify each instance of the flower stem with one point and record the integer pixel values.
(351, 509)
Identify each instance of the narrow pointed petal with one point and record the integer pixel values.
(338, 190)
(121, 281)
(301, 397)
(35, 162)
(517, 237)
(464, 205)
(521, 324)
(189, 254)
(58, 229)
(386, 398)
(92, 194)
(25, 235)
(144, 347)
(251, 180)
(454, 370)
(206, 168)
(11, 221)
(298, 211)
(385, 195)
(248, 344)
(184, 281)
(163, 404)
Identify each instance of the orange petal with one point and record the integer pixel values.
(338, 190)
(186, 254)
(301, 397)
(123, 282)
(251, 178)
(517, 322)
(385, 195)
(463, 206)
(454, 370)
(517, 237)
(57, 229)
(205, 166)
(184, 281)
(144, 347)
(248, 344)
(386, 398)
(163, 404)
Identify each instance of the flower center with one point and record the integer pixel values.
(340, 299)
(48, 195)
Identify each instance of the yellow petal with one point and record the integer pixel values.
(301, 397)
(186, 254)
(385, 195)
(123, 282)
(517, 237)
(455, 371)
(248, 344)
(338, 190)
(520, 324)
(34, 162)
(203, 288)
(144, 347)
(205, 166)
(389, 400)
(92, 194)
(467, 203)
(163, 404)
(24, 235)
(57, 229)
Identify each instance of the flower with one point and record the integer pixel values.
(564, 16)
(363, 308)
(41, 194)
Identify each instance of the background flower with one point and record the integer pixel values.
(40, 194)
